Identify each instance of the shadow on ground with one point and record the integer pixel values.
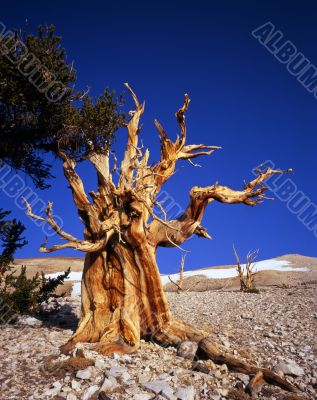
(64, 318)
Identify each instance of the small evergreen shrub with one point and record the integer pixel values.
(18, 293)
(24, 295)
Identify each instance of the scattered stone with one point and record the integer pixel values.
(289, 367)
(51, 392)
(100, 364)
(215, 396)
(90, 393)
(200, 366)
(211, 365)
(281, 329)
(243, 378)
(223, 369)
(103, 396)
(57, 384)
(218, 374)
(226, 344)
(71, 396)
(223, 392)
(109, 384)
(187, 350)
(178, 372)
(160, 387)
(142, 396)
(26, 320)
(186, 393)
(76, 385)
(225, 381)
(87, 373)
(119, 372)
(246, 316)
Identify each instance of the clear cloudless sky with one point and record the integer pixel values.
(242, 99)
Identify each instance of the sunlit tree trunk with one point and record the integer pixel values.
(122, 299)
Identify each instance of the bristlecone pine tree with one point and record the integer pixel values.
(122, 295)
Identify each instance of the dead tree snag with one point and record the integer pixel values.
(247, 272)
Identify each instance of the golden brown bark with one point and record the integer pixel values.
(122, 295)
(122, 299)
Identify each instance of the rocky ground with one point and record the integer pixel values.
(276, 328)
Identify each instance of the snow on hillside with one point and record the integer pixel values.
(221, 273)
(212, 273)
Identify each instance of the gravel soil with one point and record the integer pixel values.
(275, 328)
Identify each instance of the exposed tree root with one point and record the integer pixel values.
(237, 365)
(119, 347)
(173, 334)
(104, 347)
(178, 331)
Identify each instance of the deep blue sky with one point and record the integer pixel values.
(242, 99)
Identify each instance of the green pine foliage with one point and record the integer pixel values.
(31, 124)
(20, 294)
(11, 240)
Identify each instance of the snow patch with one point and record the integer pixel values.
(211, 273)
(73, 276)
(76, 290)
(221, 273)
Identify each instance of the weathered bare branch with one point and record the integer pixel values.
(202, 232)
(101, 162)
(163, 134)
(135, 99)
(153, 215)
(104, 198)
(50, 220)
(76, 184)
(250, 195)
(173, 151)
(179, 284)
(189, 222)
(180, 116)
(130, 155)
(188, 151)
(181, 271)
(81, 245)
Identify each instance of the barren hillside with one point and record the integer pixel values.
(290, 274)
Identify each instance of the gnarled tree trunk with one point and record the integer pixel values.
(122, 299)
(122, 295)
